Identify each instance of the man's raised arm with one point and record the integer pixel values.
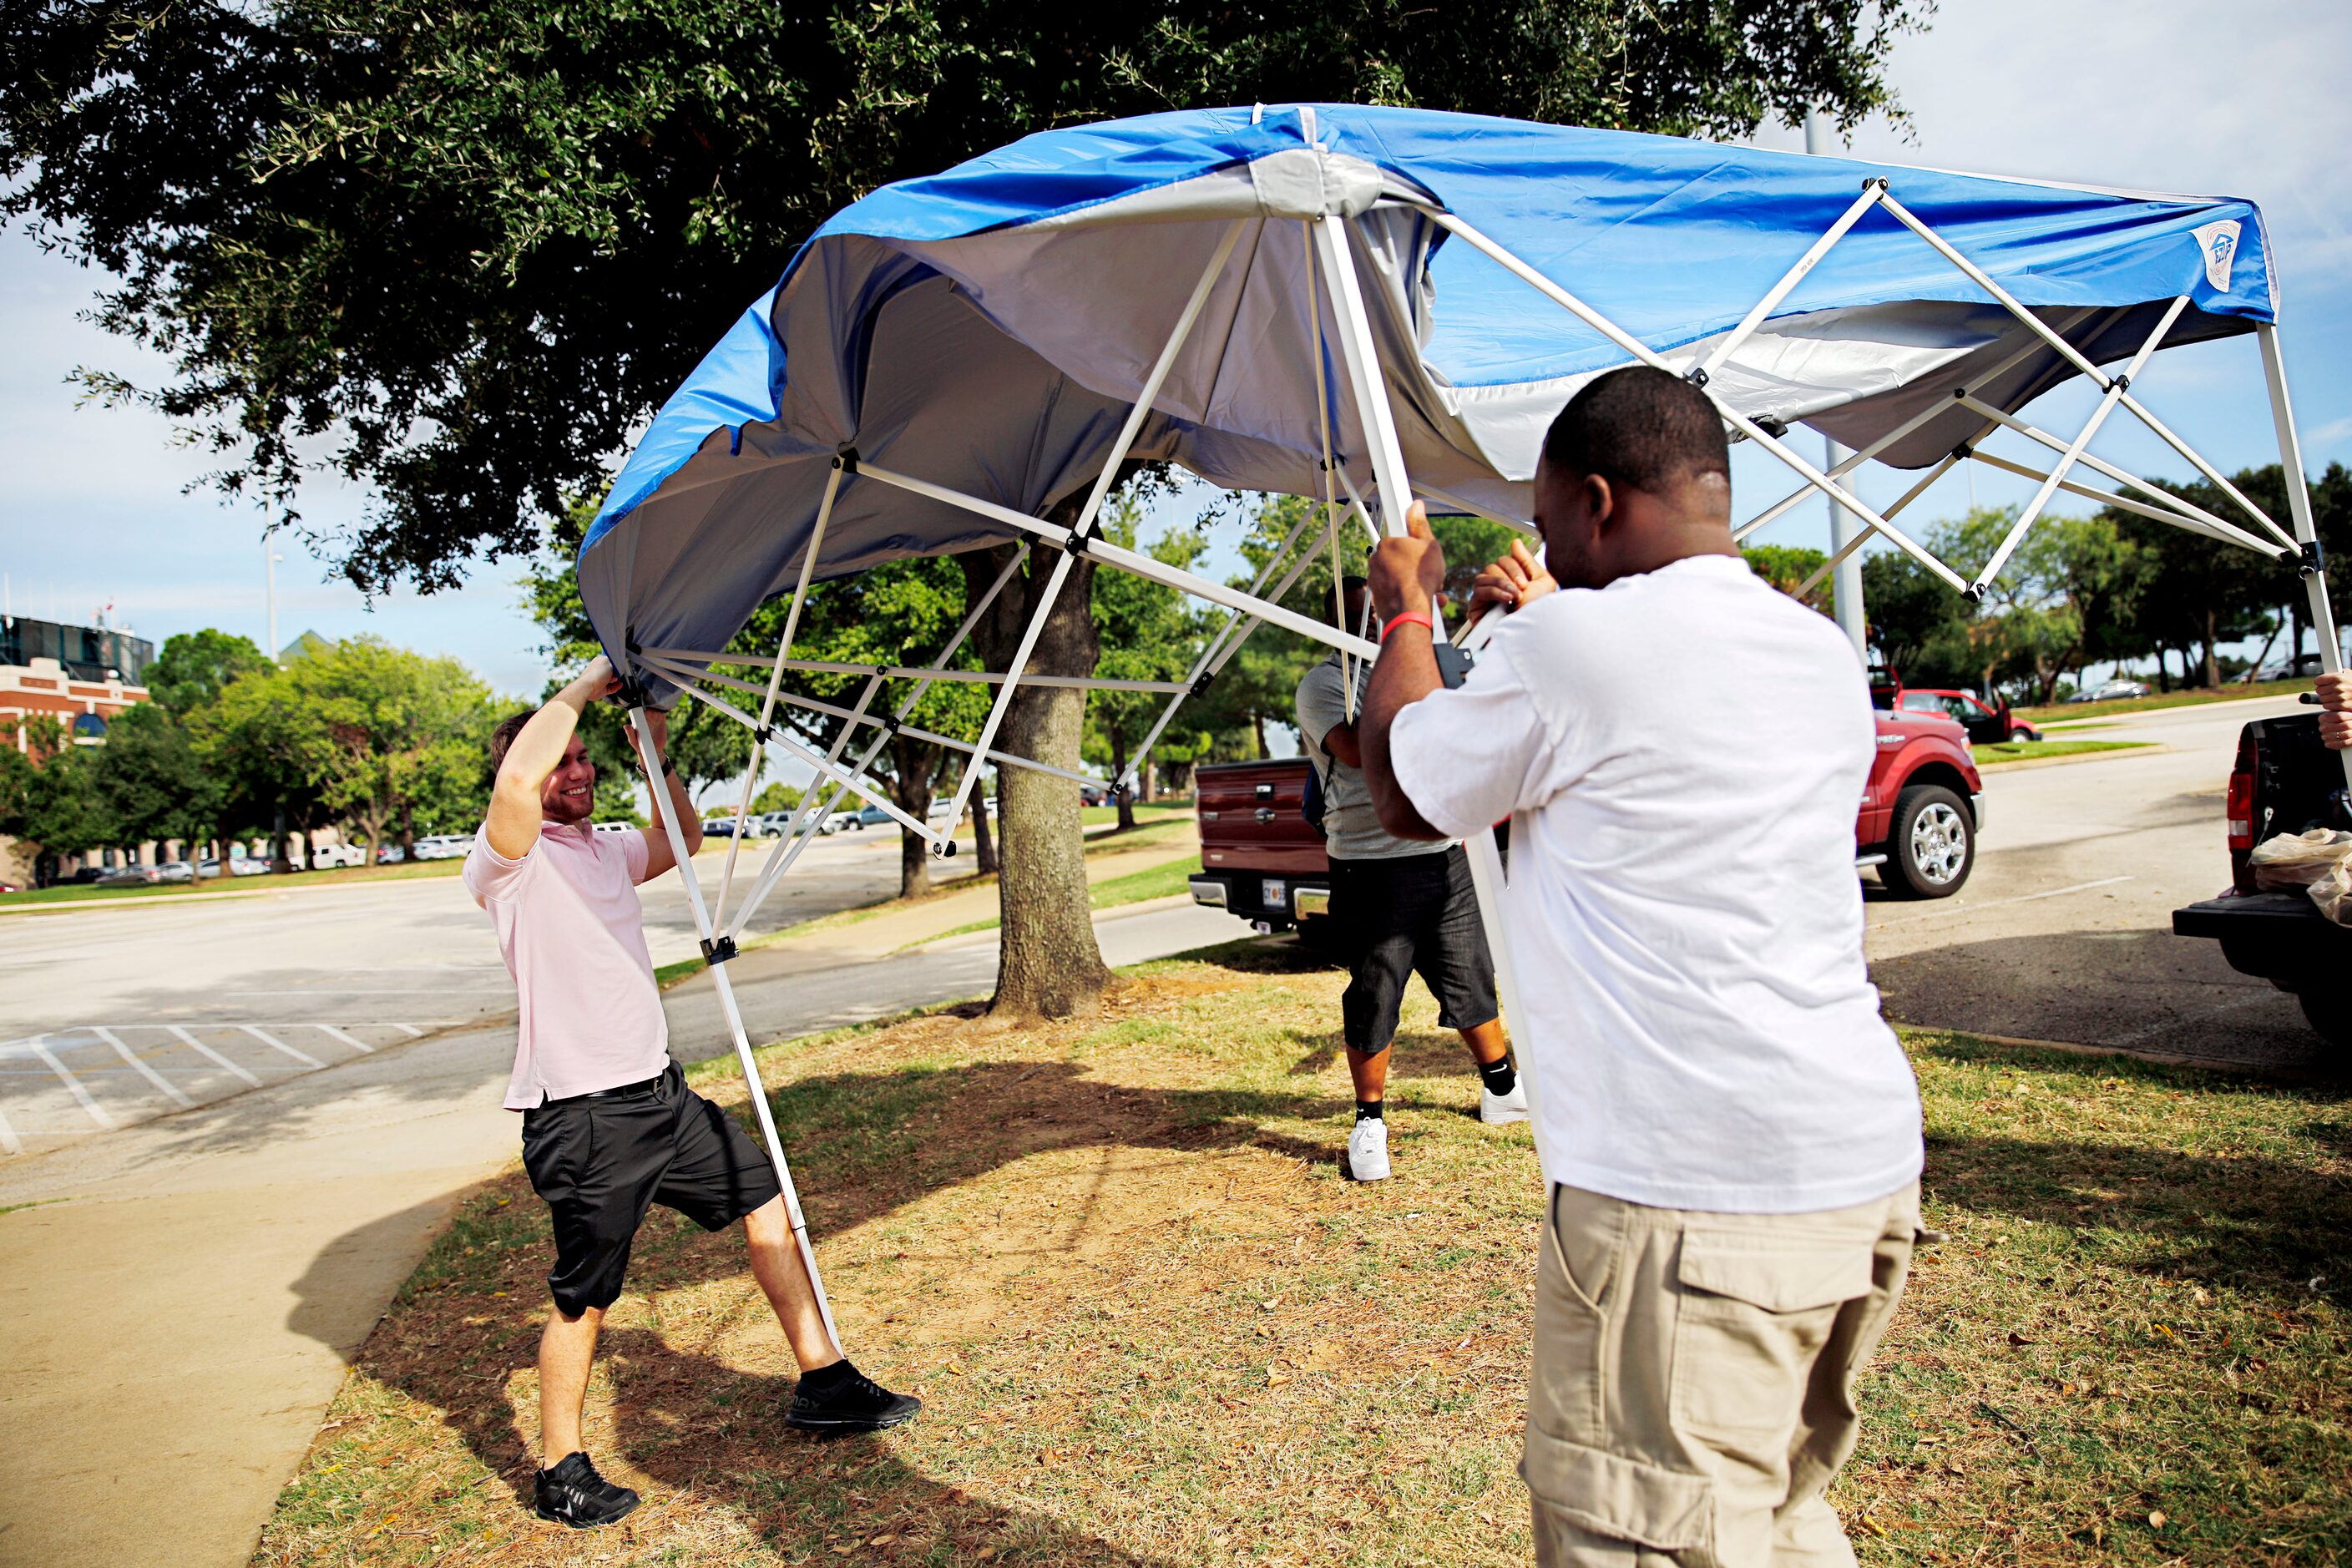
(1405, 574)
(513, 826)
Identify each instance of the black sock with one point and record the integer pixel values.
(825, 1379)
(1500, 1076)
(1368, 1109)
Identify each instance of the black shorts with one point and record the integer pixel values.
(1415, 913)
(599, 1164)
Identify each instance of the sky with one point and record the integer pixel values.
(2151, 96)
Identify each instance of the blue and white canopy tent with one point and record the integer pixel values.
(1365, 307)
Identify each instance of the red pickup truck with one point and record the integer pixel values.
(1920, 815)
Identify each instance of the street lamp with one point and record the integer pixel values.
(269, 560)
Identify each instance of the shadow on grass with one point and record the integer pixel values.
(863, 1144)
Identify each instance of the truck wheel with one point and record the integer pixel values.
(1933, 844)
(2325, 1013)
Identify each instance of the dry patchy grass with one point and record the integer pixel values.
(1152, 1324)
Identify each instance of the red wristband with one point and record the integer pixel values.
(1415, 617)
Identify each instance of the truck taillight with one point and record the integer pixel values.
(2240, 811)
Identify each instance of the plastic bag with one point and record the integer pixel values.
(2332, 893)
(2292, 860)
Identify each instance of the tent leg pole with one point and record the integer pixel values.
(2298, 501)
(1487, 877)
(650, 754)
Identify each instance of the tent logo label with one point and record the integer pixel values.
(2218, 244)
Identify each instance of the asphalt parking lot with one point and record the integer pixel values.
(111, 1014)
(2064, 932)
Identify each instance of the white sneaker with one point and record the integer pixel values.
(1368, 1150)
(1495, 1109)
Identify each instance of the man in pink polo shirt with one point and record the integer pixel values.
(609, 1126)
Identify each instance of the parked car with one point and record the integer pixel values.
(1094, 795)
(1920, 813)
(2113, 690)
(874, 817)
(1987, 724)
(249, 866)
(88, 876)
(613, 827)
(2284, 781)
(2301, 666)
(337, 857)
(127, 877)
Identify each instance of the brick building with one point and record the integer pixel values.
(81, 676)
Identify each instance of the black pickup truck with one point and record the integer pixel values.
(2284, 781)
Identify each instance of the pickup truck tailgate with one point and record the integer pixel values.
(1250, 818)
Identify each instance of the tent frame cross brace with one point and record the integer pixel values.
(1332, 277)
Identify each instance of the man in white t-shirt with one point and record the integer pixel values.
(1731, 1133)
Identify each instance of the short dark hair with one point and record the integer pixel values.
(502, 739)
(1642, 427)
(1351, 583)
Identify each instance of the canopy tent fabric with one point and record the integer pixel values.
(985, 329)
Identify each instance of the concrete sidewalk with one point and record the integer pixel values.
(180, 1301)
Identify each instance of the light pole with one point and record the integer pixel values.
(1846, 583)
(269, 581)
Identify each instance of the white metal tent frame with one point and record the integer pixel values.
(1392, 491)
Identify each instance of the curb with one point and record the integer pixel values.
(2016, 764)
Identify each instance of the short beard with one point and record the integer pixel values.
(561, 811)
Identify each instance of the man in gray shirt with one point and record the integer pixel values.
(1399, 906)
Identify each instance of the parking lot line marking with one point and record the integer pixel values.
(9, 1142)
(1996, 903)
(196, 1045)
(267, 1038)
(411, 1030)
(359, 1045)
(150, 1074)
(41, 1050)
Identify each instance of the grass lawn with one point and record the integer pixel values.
(2231, 693)
(2024, 750)
(1153, 1326)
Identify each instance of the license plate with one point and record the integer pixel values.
(1271, 893)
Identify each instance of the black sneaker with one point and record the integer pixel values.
(846, 1400)
(572, 1493)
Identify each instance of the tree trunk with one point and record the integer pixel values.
(984, 843)
(913, 765)
(1051, 964)
(1120, 791)
(2212, 665)
(1258, 728)
(407, 831)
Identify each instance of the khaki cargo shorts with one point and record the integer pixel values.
(1692, 1391)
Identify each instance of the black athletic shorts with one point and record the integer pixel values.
(1415, 912)
(599, 1163)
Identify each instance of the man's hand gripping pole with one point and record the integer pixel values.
(649, 755)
